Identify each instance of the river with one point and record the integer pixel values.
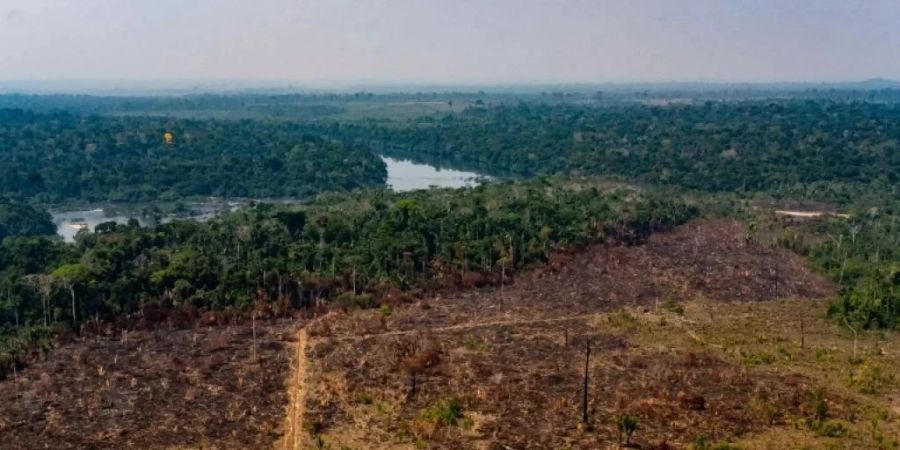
(402, 175)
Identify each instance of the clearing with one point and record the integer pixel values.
(699, 334)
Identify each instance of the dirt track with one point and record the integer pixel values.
(218, 388)
(295, 435)
(513, 360)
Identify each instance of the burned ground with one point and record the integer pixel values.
(520, 386)
(702, 259)
(213, 387)
(511, 360)
(494, 368)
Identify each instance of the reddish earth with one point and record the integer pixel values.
(520, 386)
(215, 387)
(502, 356)
(710, 259)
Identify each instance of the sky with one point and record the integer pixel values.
(450, 41)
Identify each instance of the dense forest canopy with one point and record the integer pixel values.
(746, 146)
(20, 219)
(749, 146)
(63, 157)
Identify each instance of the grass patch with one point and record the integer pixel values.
(871, 378)
(828, 428)
(672, 306)
(474, 344)
(364, 398)
(752, 358)
(446, 412)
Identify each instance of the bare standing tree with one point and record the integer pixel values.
(855, 335)
(43, 284)
(15, 307)
(66, 276)
(802, 333)
(584, 399)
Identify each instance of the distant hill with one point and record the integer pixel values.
(878, 83)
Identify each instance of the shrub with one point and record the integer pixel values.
(446, 412)
(828, 428)
(349, 300)
(819, 405)
(871, 378)
(767, 412)
(672, 306)
(364, 398)
(474, 344)
(626, 425)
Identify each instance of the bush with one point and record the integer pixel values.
(349, 300)
(828, 428)
(672, 306)
(871, 378)
(446, 412)
(364, 398)
(474, 344)
(626, 425)
(767, 412)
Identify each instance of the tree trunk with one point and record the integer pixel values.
(14, 307)
(776, 276)
(74, 313)
(280, 286)
(502, 281)
(802, 335)
(584, 399)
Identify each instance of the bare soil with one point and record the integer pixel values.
(702, 259)
(511, 358)
(209, 387)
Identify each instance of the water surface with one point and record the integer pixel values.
(404, 175)
(69, 221)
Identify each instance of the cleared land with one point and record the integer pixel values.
(688, 337)
(691, 335)
(214, 387)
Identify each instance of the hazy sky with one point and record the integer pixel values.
(450, 41)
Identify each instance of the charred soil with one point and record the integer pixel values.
(677, 336)
(215, 387)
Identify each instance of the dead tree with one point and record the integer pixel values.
(416, 357)
(855, 335)
(253, 326)
(776, 275)
(15, 306)
(70, 287)
(43, 284)
(802, 333)
(584, 397)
